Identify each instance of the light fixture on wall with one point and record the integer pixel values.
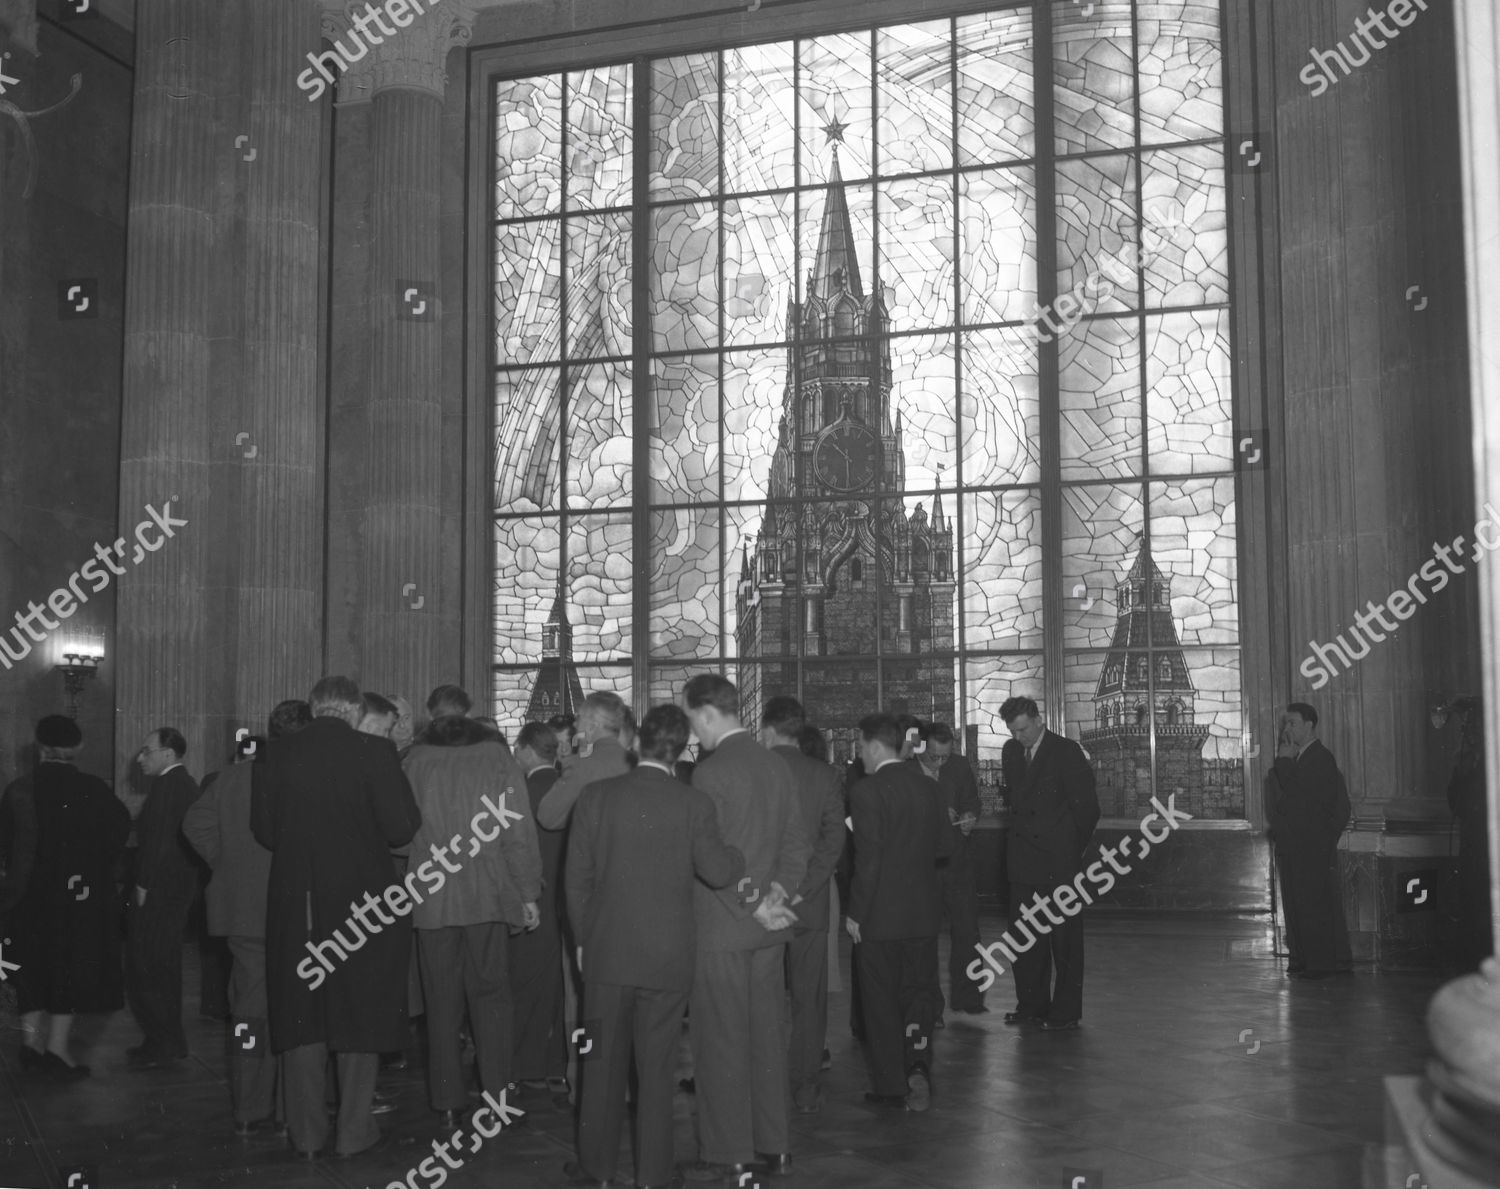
(79, 651)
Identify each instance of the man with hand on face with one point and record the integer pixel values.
(1053, 811)
(739, 989)
(901, 830)
(635, 845)
(1307, 808)
(602, 719)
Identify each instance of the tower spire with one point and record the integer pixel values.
(836, 265)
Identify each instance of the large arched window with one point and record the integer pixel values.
(756, 303)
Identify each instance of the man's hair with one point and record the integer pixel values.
(171, 738)
(627, 723)
(604, 709)
(664, 734)
(1309, 715)
(812, 742)
(1012, 709)
(289, 717)
(334, 697)
(379, 706)
(449, 699)
(541, 738)
(883, 728)
(563, 722)
(785, 716)
(939, 732)
(709, 689)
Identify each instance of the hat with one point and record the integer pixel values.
(58, 731)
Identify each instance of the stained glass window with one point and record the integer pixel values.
(919, 338)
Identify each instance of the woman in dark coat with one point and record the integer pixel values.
(61, 832)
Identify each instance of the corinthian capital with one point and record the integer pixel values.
(395, 43)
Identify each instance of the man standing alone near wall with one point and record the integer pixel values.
(1307, 808)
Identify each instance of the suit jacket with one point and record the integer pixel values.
(218, 826)
(820, 797)
(961, 794)
(1307, 803)
(605, 760)
(634, 847)
(1053, 810)
(901, 830)
(551, 843)
(453, 767)
(752, 790)
(329, 803)
(167, 866)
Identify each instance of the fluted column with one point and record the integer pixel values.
(172, 276)
(391, 639)
(1375, 415)
(275, 568)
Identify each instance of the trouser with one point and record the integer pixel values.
(650, 1022)
(466, 963)
(739, 1054)
(1061, 948)
(1314, 913)
(835, 923)
(153, 971)
(536, 970)
(902, 997)
(252, 1074)
(305, 1070)
(961, 906)
(807, 974)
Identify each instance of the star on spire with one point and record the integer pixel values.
(834, 131)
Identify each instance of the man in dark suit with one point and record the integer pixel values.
(218, 826)
(1053, 812)
(820, 795)
(739, 1042)
(956, 882)
(329, 803)
(166, 882)
(901, 830)
(541, 1061)
(1307, 808)
(635, 845)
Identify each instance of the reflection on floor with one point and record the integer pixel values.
(1199, 1065)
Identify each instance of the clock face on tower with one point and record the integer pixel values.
(846, 457)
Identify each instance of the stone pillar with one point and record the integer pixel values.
(811, 636)
(173, 277)
(903, 618)
(274, 568)
(391, 569)
(1464, 1018)
(1373, 467)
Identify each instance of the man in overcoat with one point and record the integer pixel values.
(329, 803)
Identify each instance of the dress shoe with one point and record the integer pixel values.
(807, 1100)
(304, 1154)
(383, 1141)
(1021, 1017)
(1313, 974)
(1059, 1025)
(382, 1108)
(977, 1010)
(827, 1059)
(918, 1090)
(778, 1164)
(260, 1127)
(537, 1084)
(31, 1058)
(453, 1118)
(896, 1101)
(706, 1170)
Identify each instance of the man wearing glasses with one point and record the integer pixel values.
(166, 881)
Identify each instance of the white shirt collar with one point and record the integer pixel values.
(887, 763)
(169, 767)
(728, 734)
(658, 765)
(541, 768)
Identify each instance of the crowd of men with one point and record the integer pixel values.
(564, 905)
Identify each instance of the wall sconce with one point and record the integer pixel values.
(79, 652)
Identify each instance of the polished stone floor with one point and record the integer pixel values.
(1199, 1065)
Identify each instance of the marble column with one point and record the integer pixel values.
(166, 452)
(1464, 1018)
(393, 570)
